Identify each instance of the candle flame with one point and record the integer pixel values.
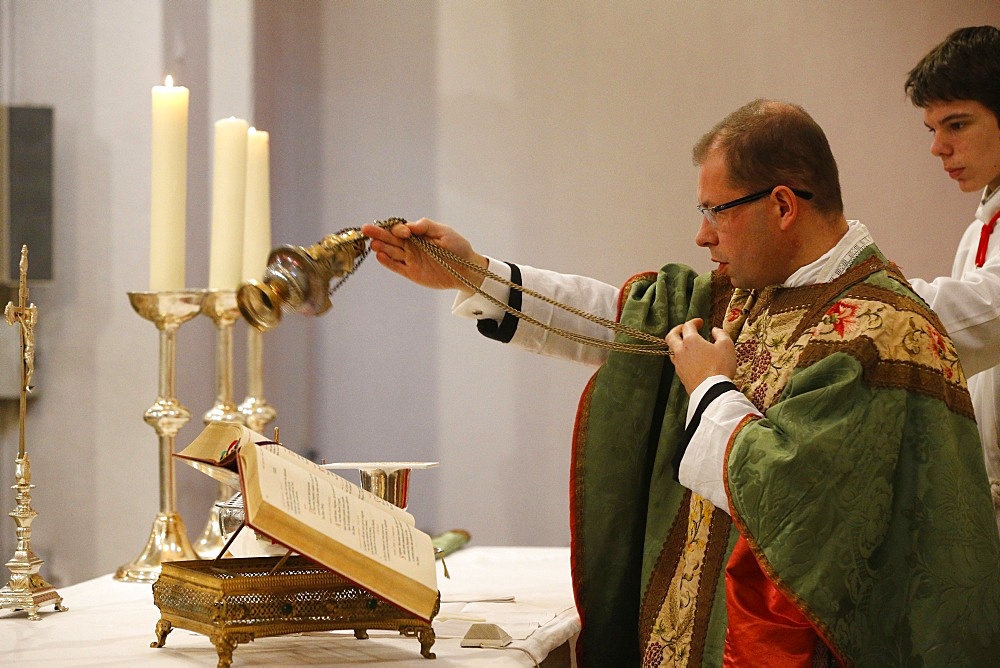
(169, 81)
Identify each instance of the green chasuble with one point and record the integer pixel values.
(626, 505)
(861, 492)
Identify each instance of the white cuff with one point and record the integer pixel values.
(704, 460)
(474, 306)
(700, 391)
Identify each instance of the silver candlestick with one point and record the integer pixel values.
(220, 306)
(168, 539)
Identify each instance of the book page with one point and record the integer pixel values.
(319, 515)
(342, 483)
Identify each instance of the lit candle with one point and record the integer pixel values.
(229, 175)
(257, 214)
(168, 199)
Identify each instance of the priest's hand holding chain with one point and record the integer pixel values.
(394, 251)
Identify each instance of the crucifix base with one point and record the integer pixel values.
(27, 590)
(33, 595)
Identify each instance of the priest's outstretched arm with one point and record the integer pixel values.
(394, 251)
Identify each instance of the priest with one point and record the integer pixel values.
(800, 482)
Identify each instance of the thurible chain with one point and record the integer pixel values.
(446, 258)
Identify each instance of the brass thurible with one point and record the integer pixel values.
(298, 278)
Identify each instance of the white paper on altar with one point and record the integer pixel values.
(518, 621)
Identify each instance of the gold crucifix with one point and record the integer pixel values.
(26, 590)
(26, 315)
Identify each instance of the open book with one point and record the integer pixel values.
(321, 515)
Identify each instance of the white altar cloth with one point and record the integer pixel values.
(525, 590)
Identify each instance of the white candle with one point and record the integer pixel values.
(257, 214)
(229, 176)
(168, 199)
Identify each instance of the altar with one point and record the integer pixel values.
(526, 591)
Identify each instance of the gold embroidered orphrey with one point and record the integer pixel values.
(26, 590)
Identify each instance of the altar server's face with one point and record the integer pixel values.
(967, 139)
(744, 240)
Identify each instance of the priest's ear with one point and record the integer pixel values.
(788, 205)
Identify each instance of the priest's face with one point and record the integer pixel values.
(743, 240)
(967, 140)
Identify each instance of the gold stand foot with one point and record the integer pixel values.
(163, 628)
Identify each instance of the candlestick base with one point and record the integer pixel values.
(210, 542)
(168, 541)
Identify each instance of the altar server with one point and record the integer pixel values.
(957, 84)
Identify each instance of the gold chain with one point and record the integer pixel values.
(443, 256)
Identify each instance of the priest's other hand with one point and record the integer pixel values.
(394, 251)
(696, 359)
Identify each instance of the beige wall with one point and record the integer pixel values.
(555, 134)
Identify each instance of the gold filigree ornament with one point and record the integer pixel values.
(234, 601)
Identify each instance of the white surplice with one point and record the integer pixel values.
(968, 303)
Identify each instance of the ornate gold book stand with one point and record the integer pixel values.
(234, 601)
